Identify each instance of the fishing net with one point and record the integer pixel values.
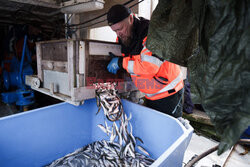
(211, 38)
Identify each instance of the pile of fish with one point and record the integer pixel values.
(101, 154)
(120, 150)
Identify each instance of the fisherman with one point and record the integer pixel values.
(160, 80)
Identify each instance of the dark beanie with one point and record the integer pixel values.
(117, 13)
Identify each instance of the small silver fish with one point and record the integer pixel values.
(143, 150)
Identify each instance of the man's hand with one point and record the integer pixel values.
(113, 65)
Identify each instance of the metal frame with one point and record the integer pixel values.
(71, 58)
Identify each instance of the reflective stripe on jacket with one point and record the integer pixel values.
(156, 78)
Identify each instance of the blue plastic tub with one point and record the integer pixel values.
(38, 137)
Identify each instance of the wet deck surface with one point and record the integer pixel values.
(200, 144)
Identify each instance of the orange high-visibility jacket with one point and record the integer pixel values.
(154, 77)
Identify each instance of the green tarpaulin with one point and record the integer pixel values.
(212, 39)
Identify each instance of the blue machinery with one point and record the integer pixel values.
(22, 96)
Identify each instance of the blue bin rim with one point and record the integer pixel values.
(31, 111)
(187, 133)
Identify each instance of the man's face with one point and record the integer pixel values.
(123, 30)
